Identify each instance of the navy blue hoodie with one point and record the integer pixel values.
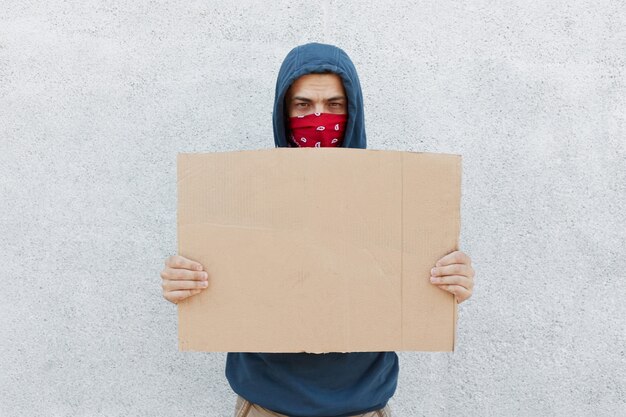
(303, 384)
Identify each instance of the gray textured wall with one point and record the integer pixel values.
(96, 99)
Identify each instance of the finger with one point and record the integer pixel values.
(461, 280)
(180, 262)
(454, 269)
(183, 275)
(183, 285)
(456, 257)
(460, 292)
(176, 296)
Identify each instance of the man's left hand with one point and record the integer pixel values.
(454, 273)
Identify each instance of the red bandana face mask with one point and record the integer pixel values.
(317, 130)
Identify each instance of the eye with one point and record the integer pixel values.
(335, 104)
(302, 104)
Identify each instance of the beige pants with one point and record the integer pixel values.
(245, 408)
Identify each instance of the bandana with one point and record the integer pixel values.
(317, 130)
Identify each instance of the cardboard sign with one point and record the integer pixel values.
(318, 249)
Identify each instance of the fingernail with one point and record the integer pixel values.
(433, 279)
(432, 271)
(204, 284)
(205, 275)
(199, 268)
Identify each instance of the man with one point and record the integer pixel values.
(318, 103)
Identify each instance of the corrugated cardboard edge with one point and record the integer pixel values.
(456, 304)
(455, 319)
(179, 157)
(402, 250)
(180, 175)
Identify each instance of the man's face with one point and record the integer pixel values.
(316, 93)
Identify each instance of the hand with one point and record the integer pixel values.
(454, 273)
(182, 278)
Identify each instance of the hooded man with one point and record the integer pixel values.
(326, 74)
(318, 103)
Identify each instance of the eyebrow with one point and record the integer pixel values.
(309, 100)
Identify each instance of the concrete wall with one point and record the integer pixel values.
(96, 99)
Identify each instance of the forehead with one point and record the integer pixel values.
(316, 84)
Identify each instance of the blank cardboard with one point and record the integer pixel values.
(318, 249)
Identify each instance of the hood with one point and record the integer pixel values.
(319, 58)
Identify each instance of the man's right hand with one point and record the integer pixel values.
(182, 278)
